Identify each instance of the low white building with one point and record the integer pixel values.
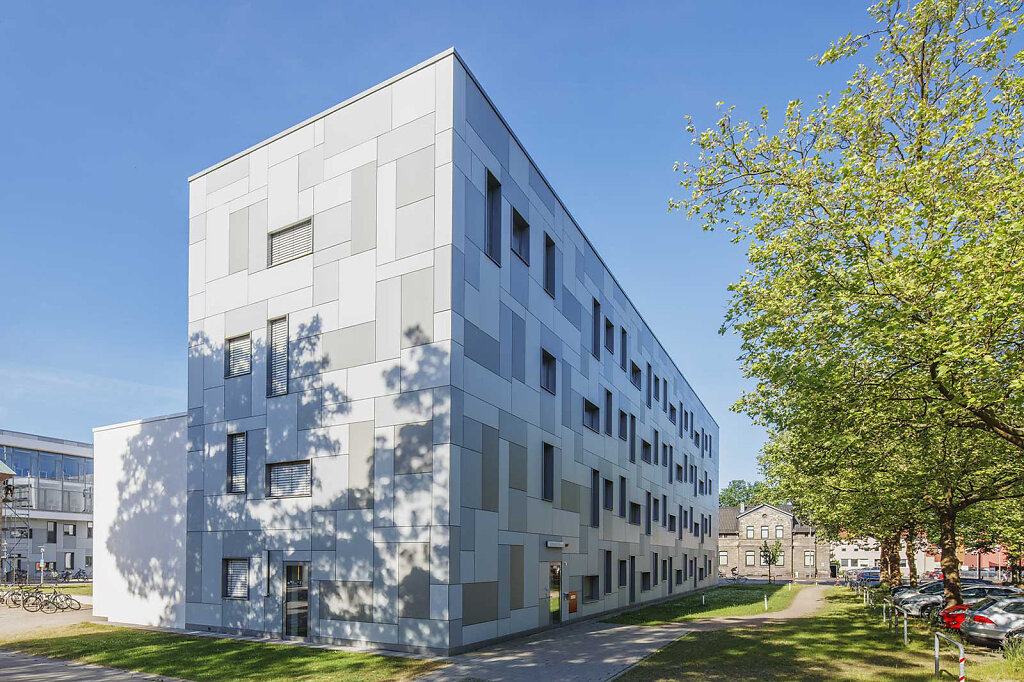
(867, 553)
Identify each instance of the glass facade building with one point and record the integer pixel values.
(47, 481)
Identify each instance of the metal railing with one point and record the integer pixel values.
(960, 654)
(890, 616)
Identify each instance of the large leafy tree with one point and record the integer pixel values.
(742, 492)
(881, 313)
(885, 227)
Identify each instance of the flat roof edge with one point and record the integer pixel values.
(365, 93)
(136, 422)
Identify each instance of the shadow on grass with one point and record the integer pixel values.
(208, 659)
(842, 642)
(728, 600)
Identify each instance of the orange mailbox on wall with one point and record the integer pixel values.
(573, 601)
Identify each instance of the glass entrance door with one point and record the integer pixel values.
(296, 600)
(555, 591)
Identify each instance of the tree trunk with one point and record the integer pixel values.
(883, 560)
(911, 556)
(950, 563)
(895, 574)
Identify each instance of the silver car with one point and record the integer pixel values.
(925, 605)
(992, 621)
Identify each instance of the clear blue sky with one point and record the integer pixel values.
(108, 108)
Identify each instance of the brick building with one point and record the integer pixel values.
(742, 532)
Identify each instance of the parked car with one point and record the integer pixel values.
(924, 605)
(936, 587)
(897, 589)
(994, 621)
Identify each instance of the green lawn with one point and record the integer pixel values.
(841, 642)
(729, 600)
(210, 659)
(72, 588)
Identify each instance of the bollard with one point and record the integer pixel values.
(961, 657)
(702, 602)
(766, 601)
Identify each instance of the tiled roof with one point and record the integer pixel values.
(728, 519)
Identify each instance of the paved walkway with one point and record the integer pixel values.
(16, 667)
(595, 651)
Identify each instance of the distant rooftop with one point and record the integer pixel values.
(46, 439)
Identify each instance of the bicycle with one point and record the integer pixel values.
(734, 577)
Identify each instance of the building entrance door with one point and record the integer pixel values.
(555, 591)
(296, 600)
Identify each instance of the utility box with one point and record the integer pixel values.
(573, 600)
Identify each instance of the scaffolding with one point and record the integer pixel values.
(15, 532)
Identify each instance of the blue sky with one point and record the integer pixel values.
(109, 108)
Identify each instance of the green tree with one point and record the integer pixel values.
(770, 555)
(742, 492)
(883, 229)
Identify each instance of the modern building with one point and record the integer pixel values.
(742, 533)
(422, 413)
(867, 553)
(46, 506)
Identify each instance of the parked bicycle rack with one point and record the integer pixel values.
(960, 651)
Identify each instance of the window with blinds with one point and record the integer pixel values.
(290, 479)
(236, 462)
(290, 243)
(277, 357)
(237, 356)
(236, 578)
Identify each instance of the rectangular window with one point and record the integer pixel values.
(608, 497)
(51, 532)
(764, 532)
(607, 572)
(679, 472)
(595, 339)
(654, 567)
(636, 376)
(492, 228)
(748, 557)
(88, 530)
(549, 265)
(632, 438)
(657, 388)
(70, 529)
(289, 244)
(750, 532)
(682, 522)
(548, 482)
(645, 581)
(591, 416)
(622, 496)
(648, 384)
(277, 357)
(237, 458)
(623, 572)
(672, 414)
(671, 523)
(69, 560)
(236, 579)
(634, 513)
(595, 498)
(520, 236)
(88, 561)
(664, 510)
(686, 421)
(289, 479)
(548, 371)
(622, 348)
(623, 425)
(657, 513)
(778, 531)
(590, 588)
(679, 576)
(645, 451)
(647, 514)
(609, 336)
(237, 356)
(608, 412)
(809, 558)
(723, 558)
(655, 449)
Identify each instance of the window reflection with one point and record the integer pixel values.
(48, 481)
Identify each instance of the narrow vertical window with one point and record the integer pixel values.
(595, 345)
(548, 371)
(622, 496)
(549, 265)
(608, 412)
(548, 482)
(648, 384)
(492, 229)
(623, 425)
(623, 337)
(607, 571)
(237, 356)
(520, 236)
(647, 514)
(632, 438)
(237, 456)
(277, 357)
(595, 492)
(609, 336)
(591, 416)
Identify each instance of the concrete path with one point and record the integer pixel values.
(15, 667)
(595, 651)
